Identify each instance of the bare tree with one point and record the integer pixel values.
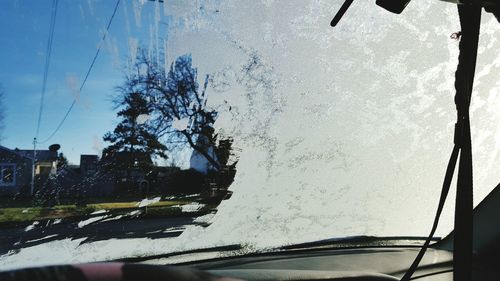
(180, 114)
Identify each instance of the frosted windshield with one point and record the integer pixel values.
(335, 132)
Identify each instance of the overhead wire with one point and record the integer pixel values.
(86, 75)
(47, 63)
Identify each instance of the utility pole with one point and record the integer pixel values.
(33, 167)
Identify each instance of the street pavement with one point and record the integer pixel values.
(13, 239)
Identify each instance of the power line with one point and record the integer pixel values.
(86, 75)
(47, 63)
(44, 87)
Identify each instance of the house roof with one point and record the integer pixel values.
(41, 155)
(88, 157)
(127, 156)
(16, 152)
(135, 156)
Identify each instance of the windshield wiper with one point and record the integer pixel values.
(361, 241)
(332, 243)
(227, 248)
(341, 12)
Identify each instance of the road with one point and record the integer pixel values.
(13, 239)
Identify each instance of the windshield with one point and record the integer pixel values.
(137, 128)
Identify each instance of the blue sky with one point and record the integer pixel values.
(78, 30)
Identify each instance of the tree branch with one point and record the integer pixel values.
(200, 150)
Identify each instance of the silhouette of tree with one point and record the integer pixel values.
(134, 134)
(179, 112)
(62, 162)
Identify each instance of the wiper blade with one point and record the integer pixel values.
(362, 241)
(227, 248)
(346, 242)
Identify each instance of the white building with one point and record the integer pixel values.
(200, 162)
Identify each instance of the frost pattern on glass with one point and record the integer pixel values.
(345, 131)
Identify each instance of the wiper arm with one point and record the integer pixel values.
(341, 12)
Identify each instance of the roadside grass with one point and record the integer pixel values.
(29, 214)
(19, 214)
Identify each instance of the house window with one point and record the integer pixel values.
(7, 174)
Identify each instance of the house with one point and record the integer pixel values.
(161, 178)
(45, 164)
(46, 160)
(15, 172)
(88, 164)
(130, 170)
(198, 161)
